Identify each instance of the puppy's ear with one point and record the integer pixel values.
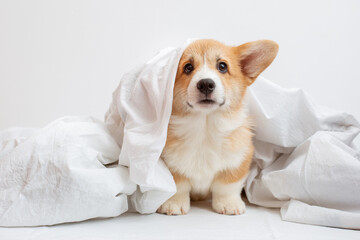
(255, 57)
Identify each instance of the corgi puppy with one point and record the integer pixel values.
(209, 143)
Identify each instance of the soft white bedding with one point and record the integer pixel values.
(306, 159)
(257, 223)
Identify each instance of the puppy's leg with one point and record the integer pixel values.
(227, 186)
(226, 197)
(180, 202)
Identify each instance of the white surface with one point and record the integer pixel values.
(61, 58)
(201, 223)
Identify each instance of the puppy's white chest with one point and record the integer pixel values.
(201, 157)
(198, 152)
(198, 158)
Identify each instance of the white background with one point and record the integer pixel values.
(66, 57)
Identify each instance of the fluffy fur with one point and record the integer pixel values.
(209, 145)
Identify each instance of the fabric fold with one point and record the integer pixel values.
(306, 158)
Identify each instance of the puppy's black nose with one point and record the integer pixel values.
(206, 85)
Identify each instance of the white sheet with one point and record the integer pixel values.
(137, 118)
(57, 174)
(306, 158)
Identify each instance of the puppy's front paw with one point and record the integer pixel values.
(229, 205)
(175, 206)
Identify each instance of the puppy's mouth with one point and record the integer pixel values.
(207, 101)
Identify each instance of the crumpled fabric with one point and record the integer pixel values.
(138, 118)
(306, 159)
(58, 174)
(79, 168)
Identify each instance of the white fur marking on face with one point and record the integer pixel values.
(194, 95)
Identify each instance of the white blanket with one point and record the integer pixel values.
(306, 160)
(57, 174)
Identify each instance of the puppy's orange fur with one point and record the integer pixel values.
(209, 149)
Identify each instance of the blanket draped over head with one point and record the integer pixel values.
(306, 162)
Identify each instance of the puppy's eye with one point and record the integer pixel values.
(188, 68)
(222, 67)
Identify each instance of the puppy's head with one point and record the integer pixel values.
(213, 77)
